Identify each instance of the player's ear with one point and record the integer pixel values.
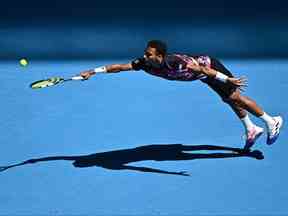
(159, 55)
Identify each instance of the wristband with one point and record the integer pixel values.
(221, 77)
(100, 70)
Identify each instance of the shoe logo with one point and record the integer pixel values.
(276, 129)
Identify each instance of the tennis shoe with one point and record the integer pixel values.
(274, 131)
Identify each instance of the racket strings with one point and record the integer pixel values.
(46, 83)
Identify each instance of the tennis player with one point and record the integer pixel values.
(210, 71)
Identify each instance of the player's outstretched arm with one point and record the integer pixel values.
(113, 68)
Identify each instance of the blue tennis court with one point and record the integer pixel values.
(128, 110)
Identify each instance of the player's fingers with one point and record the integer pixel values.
(85, 76)
(243, 79)
(242, 89)
(242, 82)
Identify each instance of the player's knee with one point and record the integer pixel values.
(235, 97)
(232, 99)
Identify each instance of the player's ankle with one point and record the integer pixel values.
(247, 123)
(268, 120)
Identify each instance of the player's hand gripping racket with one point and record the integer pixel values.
(53, 81)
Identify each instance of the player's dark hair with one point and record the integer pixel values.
(160, 46)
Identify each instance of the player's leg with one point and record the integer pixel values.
(253, 132)
(234, 97)
(273, 124)
(225, 91)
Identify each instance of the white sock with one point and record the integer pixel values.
(248, 124)
(269, 121)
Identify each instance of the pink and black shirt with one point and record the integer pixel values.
(174, 67)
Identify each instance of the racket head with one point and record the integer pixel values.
(46, 83)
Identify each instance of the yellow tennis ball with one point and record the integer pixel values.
(23, 62)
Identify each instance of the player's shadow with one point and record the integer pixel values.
(120, 159)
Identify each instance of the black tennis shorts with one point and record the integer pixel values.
(224, 90)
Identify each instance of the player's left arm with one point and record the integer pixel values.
(210, 72)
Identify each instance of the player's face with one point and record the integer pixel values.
(152, 55)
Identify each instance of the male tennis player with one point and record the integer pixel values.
(210, 71)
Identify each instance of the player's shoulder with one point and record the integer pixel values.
(138, 63)
(173, 57)
(138, 60)
(180, 56)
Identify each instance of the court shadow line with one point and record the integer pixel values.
(120, 159)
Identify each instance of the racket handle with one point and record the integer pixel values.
(77, 78)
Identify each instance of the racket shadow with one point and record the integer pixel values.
(120, 159)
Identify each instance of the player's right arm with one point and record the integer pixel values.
(135, 65)
(210, 72)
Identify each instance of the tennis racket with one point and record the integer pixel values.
(53, 81)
